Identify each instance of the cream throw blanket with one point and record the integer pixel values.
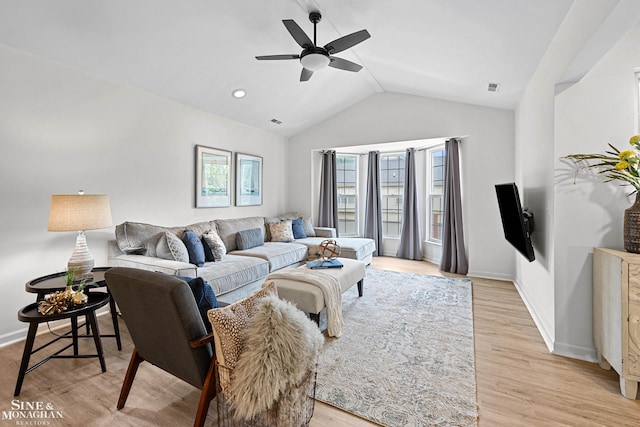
(330, 290)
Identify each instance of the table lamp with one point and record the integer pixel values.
(79, 212)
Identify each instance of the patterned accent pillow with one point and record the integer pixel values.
(247, 239)
(229, 324)
(281, 231)
(308, 227)
(214, 248)
(298, 229)
(169, 246)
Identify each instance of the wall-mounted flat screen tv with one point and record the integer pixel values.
(516, 222)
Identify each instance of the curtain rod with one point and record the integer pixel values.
(459, 138)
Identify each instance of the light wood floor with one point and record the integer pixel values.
(518, 382)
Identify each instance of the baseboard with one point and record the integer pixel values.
(13, 337)
(21, 334)
(546, 336)
(575, 352)
(489, 275)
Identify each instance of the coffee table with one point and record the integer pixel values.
(30, 314)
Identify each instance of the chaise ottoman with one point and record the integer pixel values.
(309, 298)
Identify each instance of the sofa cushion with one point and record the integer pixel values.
(289, 215)
(281, 231)
(277, 254)
(201, 227)
(169, 246)
(233, 272)
(297, 225)
(247, 239)
(194, 247)
(228, 229)
(214, 249)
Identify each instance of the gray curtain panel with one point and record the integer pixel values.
(410, 239)
(328, 214)
(373, 210)
(453, 259)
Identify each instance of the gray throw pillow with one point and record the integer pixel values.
(170, 246)
(308, 227)
(247, 239)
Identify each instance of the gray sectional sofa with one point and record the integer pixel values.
(239, 272)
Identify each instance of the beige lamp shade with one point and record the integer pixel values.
(77, 212)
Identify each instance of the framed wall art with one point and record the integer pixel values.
(248, 180)
(213, 177)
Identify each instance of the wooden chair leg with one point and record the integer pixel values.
(208, 393)
(135, 361)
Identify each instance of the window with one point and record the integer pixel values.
(392, 193)
(347, 170)
(435, 190)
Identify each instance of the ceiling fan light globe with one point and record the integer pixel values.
(315, 61)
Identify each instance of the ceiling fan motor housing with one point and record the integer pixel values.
(315, 17)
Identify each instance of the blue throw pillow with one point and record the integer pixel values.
(298, 228)
(204, 296)
(194, 248)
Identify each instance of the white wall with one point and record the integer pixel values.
(589, 213)
(486, 155)
(557, 286)
(62, 130)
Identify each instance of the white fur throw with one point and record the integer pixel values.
(281, 347)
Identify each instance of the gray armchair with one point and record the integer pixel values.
(167, 331)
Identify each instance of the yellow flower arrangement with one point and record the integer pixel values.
(615, 165)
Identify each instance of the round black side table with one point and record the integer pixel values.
(56, 282)
(30, 314)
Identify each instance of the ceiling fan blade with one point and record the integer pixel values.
(305, 75)
(347, 41)
(269, 57)
(343, 64)
(297, 33)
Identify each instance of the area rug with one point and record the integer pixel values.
(405, 357)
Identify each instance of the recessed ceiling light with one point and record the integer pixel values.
(239, 93)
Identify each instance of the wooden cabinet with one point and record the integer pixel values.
(616, 315)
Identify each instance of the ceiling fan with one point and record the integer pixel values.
(313, 57)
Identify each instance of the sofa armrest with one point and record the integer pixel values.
(113, 250)
(325, 232)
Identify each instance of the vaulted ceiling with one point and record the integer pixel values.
(197, 52)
